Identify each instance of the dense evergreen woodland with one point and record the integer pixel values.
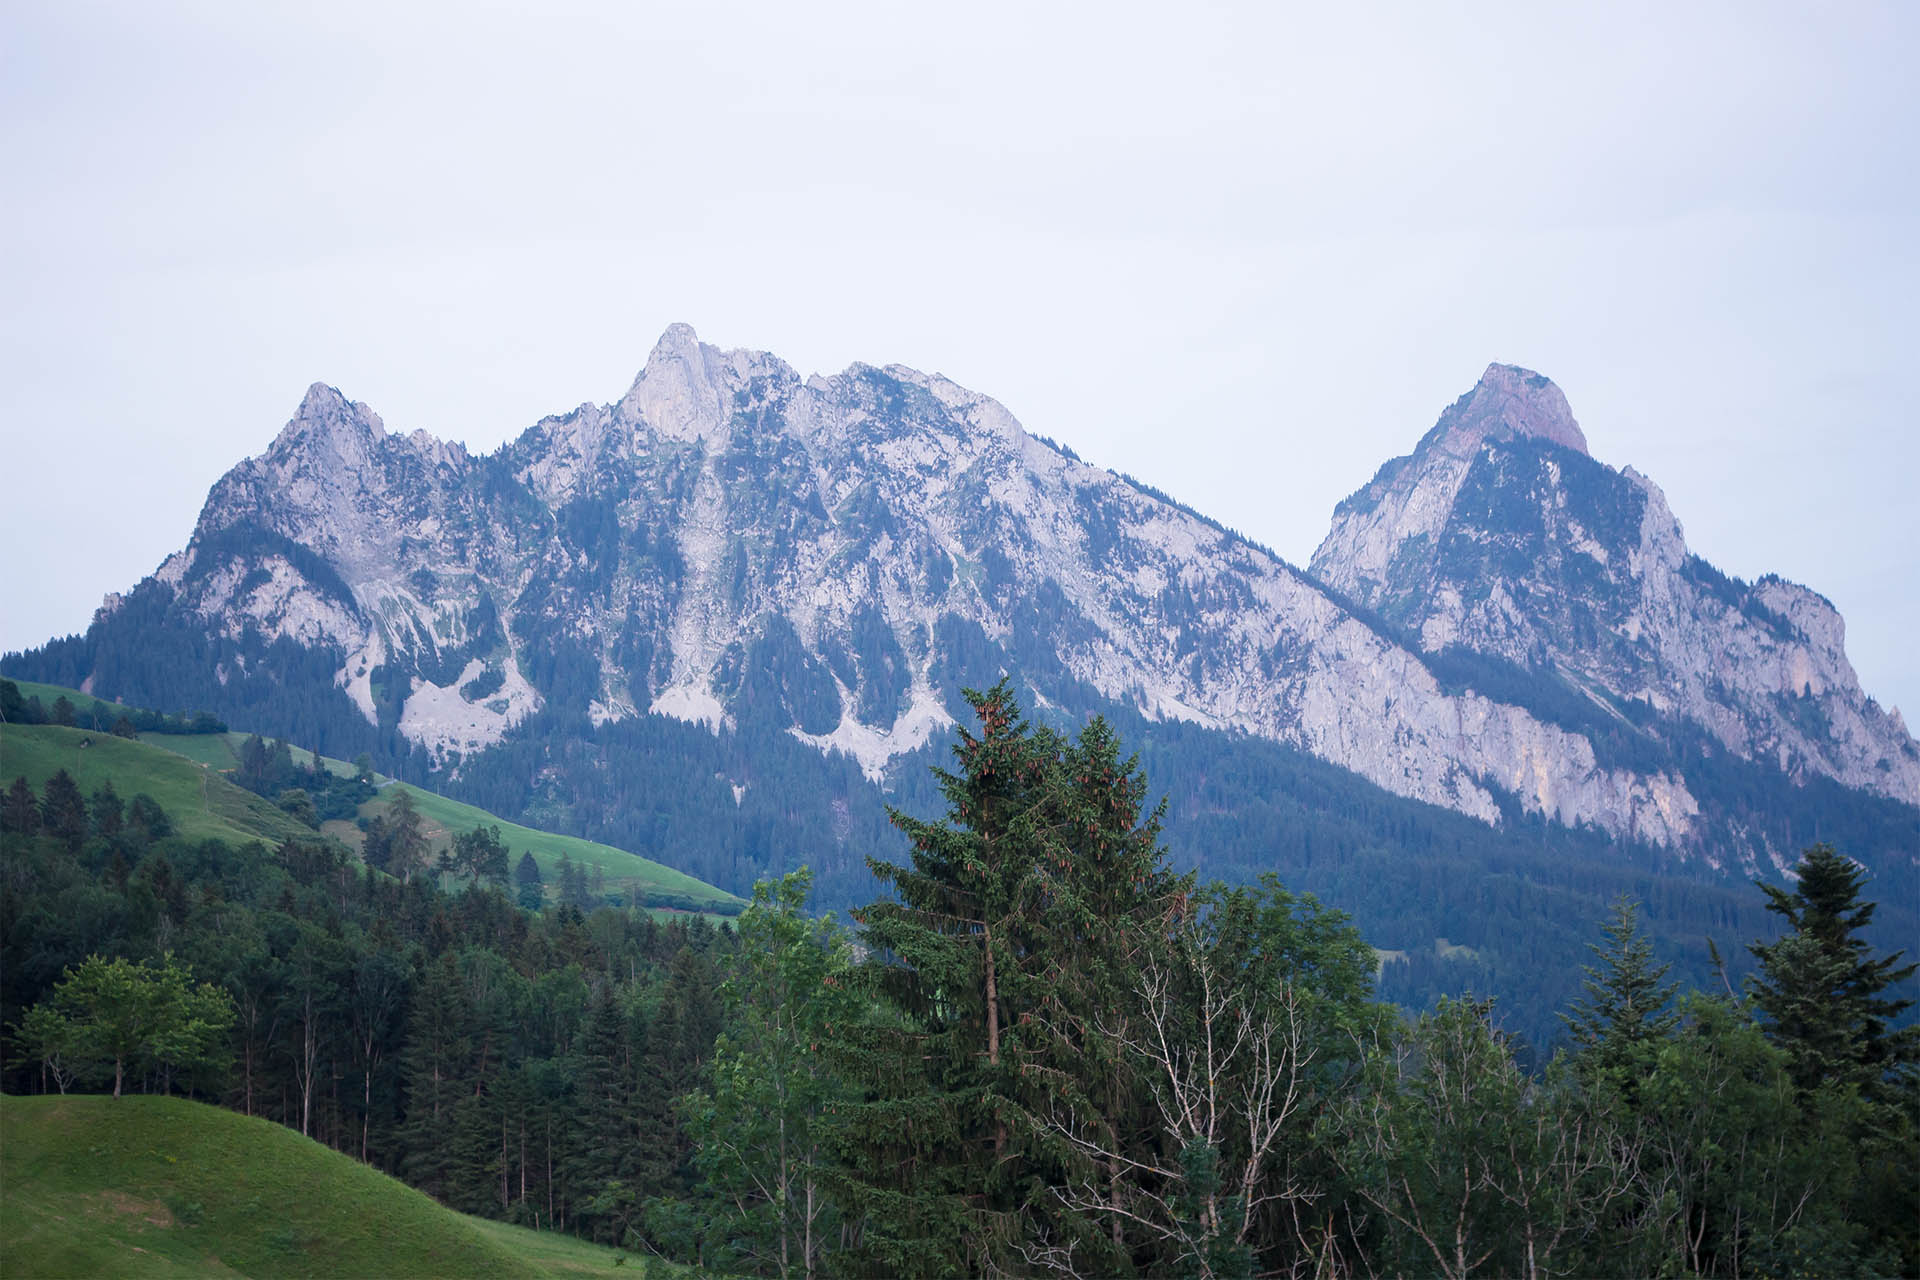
(1040, 1049)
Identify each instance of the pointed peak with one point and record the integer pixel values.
(687, 389)
(1510, 401)
(320, 400)
(676, 393)
(324, 411)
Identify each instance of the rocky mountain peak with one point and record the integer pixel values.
(327, 414)
(685, 392)
(1508, 401)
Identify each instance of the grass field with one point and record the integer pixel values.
(201, 803)
(210, 749)
(145, 1186)
(174, 769)
(623, 870)
(83, 702)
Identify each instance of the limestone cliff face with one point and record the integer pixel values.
(1501, 536)
(831, 556)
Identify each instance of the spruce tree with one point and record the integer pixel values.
(436, 1060)
(1625, 1011)
(935, 1186)
(1019, 921)
(20, 813)
(1820, 994)
(603, 1129)
(529, 892)
(108, 814)
(1109, 901)
(63, 814)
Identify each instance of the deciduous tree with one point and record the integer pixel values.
(125, 1015)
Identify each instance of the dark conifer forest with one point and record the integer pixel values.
(1040, 1047)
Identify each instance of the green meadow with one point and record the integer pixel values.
(148, 1186)
(182, 772)
(202, 804)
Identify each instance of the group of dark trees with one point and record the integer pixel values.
(19, 708)
(1046, 1049)
(311, 792)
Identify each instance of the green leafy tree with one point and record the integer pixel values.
(480, 854)
(1236, 1038)
(396, 842)
(1744, 1174)
(759, 1132)
(297, 803)
(1472, 1168)
(63, 713)
(124, 1015)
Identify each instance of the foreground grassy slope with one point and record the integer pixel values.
(200, 803)
(166, 1187)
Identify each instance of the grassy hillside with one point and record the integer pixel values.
(623, 870)
(222, 750)
(200, 802)
(84, 703)
(175, 769)
(166, 1187)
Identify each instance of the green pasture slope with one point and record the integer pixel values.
(201, 804)
(656, 883)
(146, 1186)
(174, 768)
(220, 750)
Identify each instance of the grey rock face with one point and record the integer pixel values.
(729, 537)
(1500, 535)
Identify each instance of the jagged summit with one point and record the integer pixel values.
(686, 389)
(1508, 401)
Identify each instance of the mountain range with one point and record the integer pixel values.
(725, 619)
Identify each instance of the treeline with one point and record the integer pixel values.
(1050, 1050)
(100, 716)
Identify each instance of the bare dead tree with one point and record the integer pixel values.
(1227, 1075)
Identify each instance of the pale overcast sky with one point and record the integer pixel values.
(1243, 252)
